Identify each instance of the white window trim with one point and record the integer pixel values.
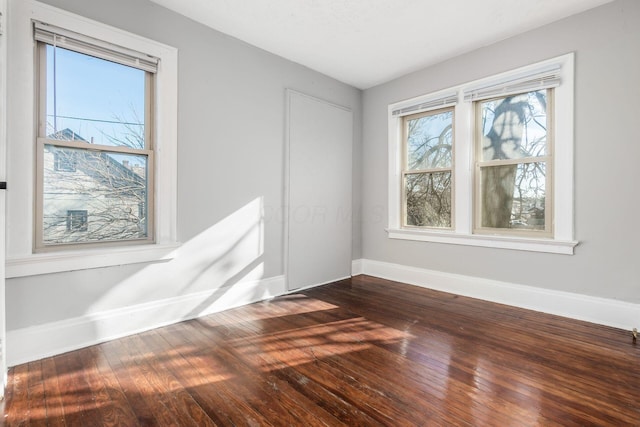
(21, 261)
(562, 241)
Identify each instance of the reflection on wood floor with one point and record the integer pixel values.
(360, 352)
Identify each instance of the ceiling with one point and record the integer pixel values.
(368, 42)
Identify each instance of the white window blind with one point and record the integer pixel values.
(545, 78)
(446, 100)
(66, 39)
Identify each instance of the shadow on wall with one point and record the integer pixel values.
(219, 268)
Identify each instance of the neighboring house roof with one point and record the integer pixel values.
(66, 135)
(94, 162)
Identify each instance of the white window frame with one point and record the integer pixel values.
(547, 159)
(562, 241)
(105, 53)
(435, 170)
(21, 259)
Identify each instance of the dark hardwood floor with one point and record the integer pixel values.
(361, 352)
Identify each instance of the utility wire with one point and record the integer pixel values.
(97, 120)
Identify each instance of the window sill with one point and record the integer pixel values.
(45, 263)
(501, 242)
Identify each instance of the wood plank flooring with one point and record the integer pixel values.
(360, 352)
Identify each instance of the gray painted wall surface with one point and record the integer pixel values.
(231, 118)
(231, 107)
(607, 149)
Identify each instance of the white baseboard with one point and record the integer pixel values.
(615, 313)
(357, 267)
(37, 342)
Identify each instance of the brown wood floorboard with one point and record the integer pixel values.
(359, 352)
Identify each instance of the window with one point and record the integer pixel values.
(95, 141)
(487, 163)
(428, 166)
(64, 161)
(27, 254)
(513, 163)
(77, 221)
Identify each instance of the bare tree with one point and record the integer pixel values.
(428, 194)
(429, 199)
(93, 195)
(513, 194)
(130, 134)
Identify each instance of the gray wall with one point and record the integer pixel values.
(231, 118)
(230, 152)
(607, 149)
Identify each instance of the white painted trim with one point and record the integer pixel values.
(487, 241)
(56, 262)
(21, 119)
(37, 342)
(618, 314)
(357, 267)
(287, 176)
(3, 171)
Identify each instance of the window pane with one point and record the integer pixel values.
(513, 196)
(429, 141)
(77, 220)
(103, 197)
(90, 99)
(515, 127)
(428, 198)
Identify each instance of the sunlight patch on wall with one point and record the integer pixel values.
(225, 255)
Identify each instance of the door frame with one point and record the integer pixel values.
(343, 211)
(3, 177)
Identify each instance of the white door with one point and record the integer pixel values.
(319, 169)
